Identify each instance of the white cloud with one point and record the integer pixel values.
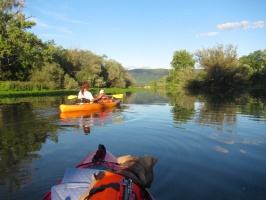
(242, 24)
(61, 17)
(39, 23)
(258, 24)
(43, 25)
(209, 34)
(230, 25)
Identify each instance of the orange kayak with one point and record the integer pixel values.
(80, 113)
(88, 106)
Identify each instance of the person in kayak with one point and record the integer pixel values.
(86, 96)
(104, 98)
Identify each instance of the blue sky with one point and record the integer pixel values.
(145, 33)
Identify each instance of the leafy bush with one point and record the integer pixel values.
(70, 83)
(49, 77)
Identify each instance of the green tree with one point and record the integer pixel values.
(181, 60)
(64, 58)
(116, 75)
(182, 65)
(19, 50)
(255, 64)
(70, 83)
(221, 66)
(49, 77)
(22, 53)
(129, 80)
(90, 66)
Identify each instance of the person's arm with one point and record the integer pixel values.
(97, 98)
(80, 95)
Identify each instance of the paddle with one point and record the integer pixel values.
(117, 96)
(72, 96)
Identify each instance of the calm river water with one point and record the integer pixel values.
(207, 147)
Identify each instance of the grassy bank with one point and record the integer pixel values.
(17, 94)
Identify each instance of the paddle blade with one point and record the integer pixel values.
(72, 96)
(118, 96)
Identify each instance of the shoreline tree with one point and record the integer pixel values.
(182, 69)
(219, 68)
(19, 50)
(25, 58)
(220, 65)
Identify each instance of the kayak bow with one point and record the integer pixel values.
(78, 180)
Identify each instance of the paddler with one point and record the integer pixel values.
(86, 96)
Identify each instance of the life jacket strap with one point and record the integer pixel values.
(101, 188)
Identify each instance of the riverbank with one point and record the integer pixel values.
(16, 94)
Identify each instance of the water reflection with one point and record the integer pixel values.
(145, 97)
(220, 115)
(27, 124)
(90, 118)
(22, 132)
(217, 110)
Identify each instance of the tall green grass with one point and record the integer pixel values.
(15, 94)
(13, 89)
(18, 86)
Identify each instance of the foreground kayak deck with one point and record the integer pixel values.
(87, 163)
(88, 106)
(109, 162)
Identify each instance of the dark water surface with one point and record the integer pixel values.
(206, 148)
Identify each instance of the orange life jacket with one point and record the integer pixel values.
(113, 193)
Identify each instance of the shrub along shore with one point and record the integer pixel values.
(17, 94)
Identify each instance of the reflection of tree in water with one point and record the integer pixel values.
(183, 107)
(217, 109)
(219, 112)
(18, 140)
(254, 105)
(18, 173)
(222, 109)
(217, 116)
(144, 97)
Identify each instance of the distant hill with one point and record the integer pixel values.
(145, 76)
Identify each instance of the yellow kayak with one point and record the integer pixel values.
(88, 106)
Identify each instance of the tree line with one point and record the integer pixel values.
(29, 62)
(42, 65)
(217, 68)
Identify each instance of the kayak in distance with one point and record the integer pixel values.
(88, 106)
(102, 176)
(84, 113)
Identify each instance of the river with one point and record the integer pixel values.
(207, 148)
